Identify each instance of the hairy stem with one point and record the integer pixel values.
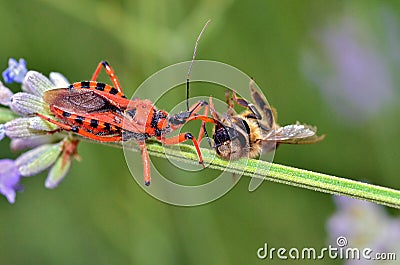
(285, 174)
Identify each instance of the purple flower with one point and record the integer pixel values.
(5, 95)
(352, 65)
(50, 151)
(18, 144)
(16, 71)
(9, 179)
(364, 225)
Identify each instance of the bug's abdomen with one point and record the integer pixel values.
(94, 85)
(107, 92)
(88, 122)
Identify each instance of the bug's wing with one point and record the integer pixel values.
(294, 134)
(75, 100)
(269, 115)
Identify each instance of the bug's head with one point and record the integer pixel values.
(230, 140)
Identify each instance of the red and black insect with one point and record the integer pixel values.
(101, 112)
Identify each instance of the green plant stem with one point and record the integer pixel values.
(284, 174)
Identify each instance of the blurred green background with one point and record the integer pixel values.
(99, 215)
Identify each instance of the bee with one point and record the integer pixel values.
(255, 131)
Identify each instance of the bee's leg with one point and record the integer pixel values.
(244, 103)
(213, 112)
(269, 112)
(229, 102)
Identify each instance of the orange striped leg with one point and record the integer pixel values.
(182, 138)
(146, 163)
(193, 114)
(110, 73)
(79, 131)
(203, 126)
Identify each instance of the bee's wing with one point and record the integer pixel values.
(294, 134)
(269, 115)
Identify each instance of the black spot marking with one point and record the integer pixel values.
(157, 116)
(66, 114)
(203, 103)
(100, 86)
(105, 64)
(188, 136)
(70, 86)
(131, 112)
(79, 119)
(113, 91)
(141, 137)
(179, 118)
(94, 123)
(85, 84)
(107, 126)
(75, 129)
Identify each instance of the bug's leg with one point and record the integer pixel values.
(110, 73)
(70, 150)
(178, 120)
(182, 138)
(195, 108)
(203, 127)
(79, 131)
(204, 118)
(62, 126)
(244, 103)
(193, 111)
(203, 130)
(146, 163)
(215, 118)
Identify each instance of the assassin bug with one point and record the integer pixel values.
(255, 130)
(102, 113)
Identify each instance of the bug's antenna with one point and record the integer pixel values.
(191, 64)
